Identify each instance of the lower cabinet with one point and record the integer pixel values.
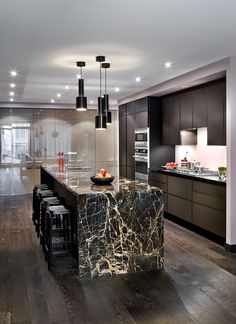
(197, 202)
(180, 207)
(211, 219)
(160, 181)
(209, 207)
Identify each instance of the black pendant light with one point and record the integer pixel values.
(100, 119)
(106, 96)
(81, 100)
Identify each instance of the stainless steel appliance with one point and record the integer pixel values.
(141, 137)
(141, 154)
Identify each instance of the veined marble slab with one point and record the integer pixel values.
(120, 226)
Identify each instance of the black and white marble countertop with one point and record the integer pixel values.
(79, 182)
(120, 227)
(199, 177)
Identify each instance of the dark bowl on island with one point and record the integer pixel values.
(102, 181)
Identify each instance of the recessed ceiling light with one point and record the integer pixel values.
(11, 99)
(58, 95)
(78, 76)
(67, 87)
(13, 73)
(52, 100)
(117, 89)
(11, 93)
(138, 79)
(12, 85)
(91, 102)
(168, 65)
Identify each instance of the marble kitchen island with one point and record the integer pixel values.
(119, 226)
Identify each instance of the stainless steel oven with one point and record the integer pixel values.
(141, 154)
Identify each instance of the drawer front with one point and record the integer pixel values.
(158, 177)
(180, 187)
(209, 189)
(179, 207)
(162, 186)
(209, 201)
(210, 219)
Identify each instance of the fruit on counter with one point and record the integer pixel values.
(103, 174)
(222, 170)
(171, 164)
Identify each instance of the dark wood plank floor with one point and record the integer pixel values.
(197, 286)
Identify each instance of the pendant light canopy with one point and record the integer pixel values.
(100, 119)
(81, 100)
(107, 113)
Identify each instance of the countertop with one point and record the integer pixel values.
(197, 177)
(120, 227)
(79, 182)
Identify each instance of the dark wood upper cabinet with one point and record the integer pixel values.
(199, 107)
(216, 94)
(171, 120)
(141, 119)
(122, 110)
(130, 108)
(186, 110)
(175, 120)
(166, 104)
(141, 105)
(130, 140)
(122, 140)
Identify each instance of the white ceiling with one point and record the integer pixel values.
(42, 40)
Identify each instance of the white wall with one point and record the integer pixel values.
(210, 156)
(231, 152)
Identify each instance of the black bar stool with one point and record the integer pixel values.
(40, 195)
(45, 203)
(35, 198)
(59, 233)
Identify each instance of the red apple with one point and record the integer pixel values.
(168, 164)
(103, 172)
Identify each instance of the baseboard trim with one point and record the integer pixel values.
(230, 248)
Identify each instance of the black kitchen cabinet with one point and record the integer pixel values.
(130, 108)
(141, 119)
(180, 187)
(148, 114)
(209, 207)
(199, 97)
(171, 120)
(122, 171)
(122, 110)
(141, 105)
(180, 207)
(175, 121)
(160, 181)
(199, 203)
(166, 107)
(216, 94)
(186, 110)
(122, 139)
(130, 141)
(130, 172)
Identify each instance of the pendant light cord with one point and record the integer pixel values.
(100, 79)
(105, 81)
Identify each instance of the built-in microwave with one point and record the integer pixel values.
(141, 137)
